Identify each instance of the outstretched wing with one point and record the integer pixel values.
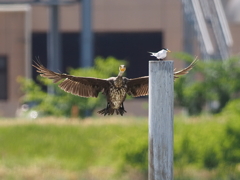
(185, 70)
(139, 86)
(80, 86)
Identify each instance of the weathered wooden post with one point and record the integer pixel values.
(160, 120)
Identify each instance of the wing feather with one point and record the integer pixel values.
(185, 70)
(81, 86)
(138, 86)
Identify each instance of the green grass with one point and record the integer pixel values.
(60, 145)
(205, 147)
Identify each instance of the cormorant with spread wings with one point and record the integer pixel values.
(114, 88)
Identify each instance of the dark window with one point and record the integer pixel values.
(69, 50)
(130, 46)
(3, 78)
(39, 50)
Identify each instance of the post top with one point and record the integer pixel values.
(157, 61)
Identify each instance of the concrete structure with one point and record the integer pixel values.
(153, 24)
(15, 46)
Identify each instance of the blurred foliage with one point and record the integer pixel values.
(61, 103)
(211, 82)
(133, 151)
(232, 108)
(209, 143)
(205, 147)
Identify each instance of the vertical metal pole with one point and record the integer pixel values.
(188, 34)
(28, 44)
(160, 120)
(53, 42)
(86, 55)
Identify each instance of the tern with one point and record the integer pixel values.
(160, 55)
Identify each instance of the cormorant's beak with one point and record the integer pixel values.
(122, 68)
(168, 50)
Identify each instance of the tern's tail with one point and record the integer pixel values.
(152, 53)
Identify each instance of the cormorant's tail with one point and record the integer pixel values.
(110, 111)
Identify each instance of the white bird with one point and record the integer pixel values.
(160, 55)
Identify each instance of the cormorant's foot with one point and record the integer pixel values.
(106, 111)
(109, 111)
(122, 111)
(103, 112)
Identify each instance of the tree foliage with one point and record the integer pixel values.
(211, 83)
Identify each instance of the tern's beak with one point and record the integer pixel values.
(168, 50)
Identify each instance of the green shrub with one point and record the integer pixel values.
(232, 108)
(209, 81)
(210, 158)
(133, 150)
(231, 143)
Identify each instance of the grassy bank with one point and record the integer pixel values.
(63, 149)
(115, 148)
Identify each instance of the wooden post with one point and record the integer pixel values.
(160, 120)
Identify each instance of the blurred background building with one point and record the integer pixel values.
(122, 29)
